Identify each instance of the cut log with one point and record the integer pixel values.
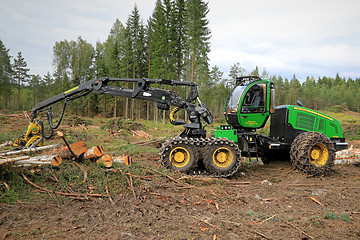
(77, 148)
(106, 161)
(11, 160)
(29, 150)
(6, 144)
(94, 152)
(39, 160)
(123, 159)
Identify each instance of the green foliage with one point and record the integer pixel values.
(314, 219)
(253, 215)
(330, 215)
(12, 187)
(345, 217)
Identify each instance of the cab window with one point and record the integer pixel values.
(233, 101)
(254, 100)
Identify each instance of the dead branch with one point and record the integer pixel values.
(317, 201)
(144, 142)
(260, 234)
(251, 231)
(62, 136)
(141, 177)
(26, 116)
(132, 186)
(107, 192)
(129, 182)
(84, 170)
(211, 225)
(268, 218)
(173, 179)
(62, 193)
(301, 231)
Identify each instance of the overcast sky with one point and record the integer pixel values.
(306, 38)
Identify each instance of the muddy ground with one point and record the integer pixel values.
(259, 202)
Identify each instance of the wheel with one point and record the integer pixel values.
(181, 157)
(312, 153)
(267, 159)
(222, 157)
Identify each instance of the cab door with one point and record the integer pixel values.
(252, 109)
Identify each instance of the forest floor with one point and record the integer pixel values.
(145, 201)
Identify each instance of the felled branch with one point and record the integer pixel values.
(62, 193)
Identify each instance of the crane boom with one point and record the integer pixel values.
(143, 90)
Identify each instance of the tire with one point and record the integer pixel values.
(312, 153)
(222, 157)
(267, 159)
(181, 157)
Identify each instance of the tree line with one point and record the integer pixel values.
(173, 44)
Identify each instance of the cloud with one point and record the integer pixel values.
(304, 38)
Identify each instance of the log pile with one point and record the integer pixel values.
(22, 161)
(348, 156)
(79, 151)
(54, 154)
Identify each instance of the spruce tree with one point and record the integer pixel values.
(178, 37)
(157, 41)
(20, 74)
(198, 36)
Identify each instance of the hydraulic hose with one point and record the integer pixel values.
(172, 119)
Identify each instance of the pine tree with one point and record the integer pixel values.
(215, 78)
(236, 71)
(35, 81)
(48, 81)
(20, 74)
(5, 75)
(255, 72)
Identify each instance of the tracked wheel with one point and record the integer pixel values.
(180, 155)
(312, 153)
(222, 157)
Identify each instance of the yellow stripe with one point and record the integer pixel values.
(313, 112)
(173, 113)
(70, 90)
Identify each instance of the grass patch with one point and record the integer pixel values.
(330, 215)
(70, 178)
(345, 217)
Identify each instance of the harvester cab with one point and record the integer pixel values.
(250, 103)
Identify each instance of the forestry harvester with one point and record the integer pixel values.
(308, 137)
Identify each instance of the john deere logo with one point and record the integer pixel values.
(251, 123)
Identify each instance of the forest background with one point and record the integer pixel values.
(174, 43)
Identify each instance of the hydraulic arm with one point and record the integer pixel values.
(142, 90)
